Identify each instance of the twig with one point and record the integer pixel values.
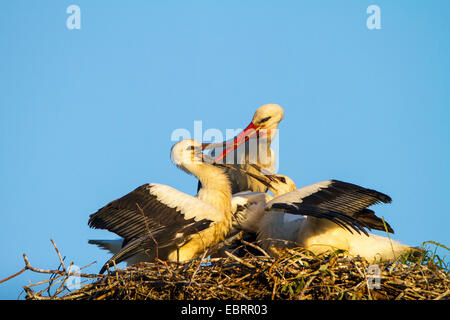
(256, 247)
(198, 266)
(226, 242)
(14, 275)
(59, 255)
(446, 293)
(148, 229)
(44, 281)
(239, 260)
(84, 275)
(235, 291)
(302, 293)
(61, 287)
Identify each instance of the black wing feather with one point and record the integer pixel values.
(352, 200)
(165, 238)
(369, 217)
(341, 219)
(124, 218)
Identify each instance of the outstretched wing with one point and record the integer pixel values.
(150, 209)
(165, 239)
(335, 195)
(341, 219)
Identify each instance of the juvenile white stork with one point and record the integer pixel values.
(276, 228)
(251, 146)
(157, 221)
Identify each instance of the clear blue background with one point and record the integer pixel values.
(86, 115)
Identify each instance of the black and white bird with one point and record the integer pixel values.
(158, 221)
(277, 227)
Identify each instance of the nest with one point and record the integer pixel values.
(295, 274)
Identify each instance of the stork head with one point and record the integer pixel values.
(267, 117)
(281, 184)
(188, 152)
(264, 123)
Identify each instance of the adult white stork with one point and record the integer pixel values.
(157, 221)
(276, 228)
(251, 146)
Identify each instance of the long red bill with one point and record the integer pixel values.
(238, 140)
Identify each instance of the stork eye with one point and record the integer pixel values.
(282, 179)
(265, 119)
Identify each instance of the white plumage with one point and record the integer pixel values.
(158, 221)
(277, 228)
(251, 147)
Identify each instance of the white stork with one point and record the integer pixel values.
(157, 221)
(276, 228)
(258, 134)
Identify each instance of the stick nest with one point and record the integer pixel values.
(296, 274)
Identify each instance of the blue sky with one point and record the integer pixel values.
(86, 115)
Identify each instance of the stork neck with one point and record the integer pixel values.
(261, 155)
(216, 188)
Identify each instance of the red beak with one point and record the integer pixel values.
(238, 140)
